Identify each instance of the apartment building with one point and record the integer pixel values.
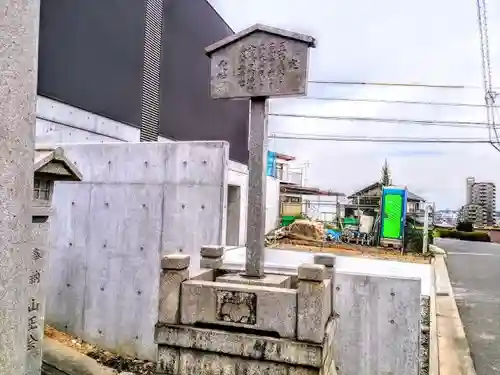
(473, 213)
(480, 194)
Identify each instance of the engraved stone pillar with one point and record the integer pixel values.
(18, 79)
(174, 272)
(36, 298)
(211, 257)
(50, 165)
(313, 302)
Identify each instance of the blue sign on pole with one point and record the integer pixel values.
(271, 164)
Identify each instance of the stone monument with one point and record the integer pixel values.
(221, 321)
(259, 62)
(18, 79)
(50, 165)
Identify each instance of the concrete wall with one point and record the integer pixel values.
(379, 324)
(61, 123)
(138, 201)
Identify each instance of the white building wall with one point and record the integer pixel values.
(61, 123)
(272, 203)
(238, 176)
(320, 207)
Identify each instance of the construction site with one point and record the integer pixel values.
(379, 220)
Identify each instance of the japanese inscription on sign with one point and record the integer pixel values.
(259, 65)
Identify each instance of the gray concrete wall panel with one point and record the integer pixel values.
(379, 324)
(137, 201)
(66, 279)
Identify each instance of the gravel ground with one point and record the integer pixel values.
(425, 321)
(121, 364)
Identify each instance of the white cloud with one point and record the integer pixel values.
(424, 41)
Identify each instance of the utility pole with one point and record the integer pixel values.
(19, 25)
(426, 229)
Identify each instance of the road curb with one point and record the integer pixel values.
(437, 250)
(59, 359)
(453, 347)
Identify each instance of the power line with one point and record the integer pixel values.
(325, 137)
(367, 100)
(395, 84)
(456, 124)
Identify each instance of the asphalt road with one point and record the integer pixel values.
(474, 270)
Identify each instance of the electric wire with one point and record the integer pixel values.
(394, 84)
(389, 101)
(337, 138)
(455, 124)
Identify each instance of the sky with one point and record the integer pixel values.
(428, 41)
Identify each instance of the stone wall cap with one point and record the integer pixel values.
(312, 272)
(309, 40)
(212, 251)
(175, 262)
(327, 260)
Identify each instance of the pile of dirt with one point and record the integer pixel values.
(105, 358)
(304, 231)
(308, 229)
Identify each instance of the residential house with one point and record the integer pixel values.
(369, 198)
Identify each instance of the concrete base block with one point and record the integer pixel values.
(276, 281)
(234, 325)
(236, 305)
(190, 350)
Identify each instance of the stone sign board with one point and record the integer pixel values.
(260, 61)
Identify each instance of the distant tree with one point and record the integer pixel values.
(386, 175)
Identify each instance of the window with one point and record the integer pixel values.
(279, 171)
(41, 189)
(289, 199)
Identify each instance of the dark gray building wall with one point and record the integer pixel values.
(91, 57)
(187, 111)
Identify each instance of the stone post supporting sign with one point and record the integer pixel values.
(258, 63)
(18, 79)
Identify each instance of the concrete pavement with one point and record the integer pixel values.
(474, 271)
